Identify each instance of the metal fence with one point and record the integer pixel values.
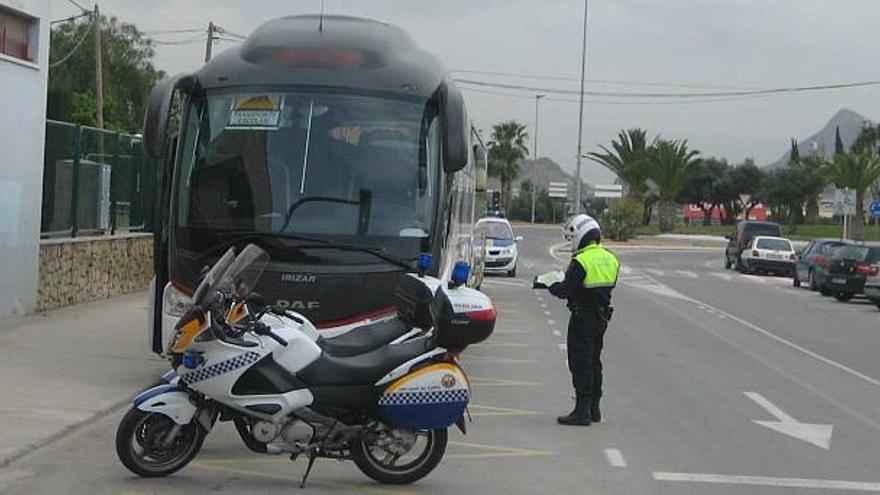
(95, 182)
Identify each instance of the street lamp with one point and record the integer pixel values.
(535, 155)
(577, 185)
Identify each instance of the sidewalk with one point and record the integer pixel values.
(61, 369)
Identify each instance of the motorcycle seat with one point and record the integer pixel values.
(363, 369)
(364, 338)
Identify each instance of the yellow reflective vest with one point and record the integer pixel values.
(600, 266)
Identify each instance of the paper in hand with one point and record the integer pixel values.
(545, 280)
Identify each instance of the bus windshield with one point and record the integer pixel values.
(313, 164)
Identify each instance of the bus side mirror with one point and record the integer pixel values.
(158, 111)
(455, 130)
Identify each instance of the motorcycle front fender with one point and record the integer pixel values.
(168, 400)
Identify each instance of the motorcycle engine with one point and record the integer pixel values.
(288, 435)
(297, 431)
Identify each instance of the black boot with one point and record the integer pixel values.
(595, 414)
(580, 416)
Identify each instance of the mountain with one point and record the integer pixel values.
(850, 124)
(542, 175)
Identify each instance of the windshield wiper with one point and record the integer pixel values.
(380, 253)
(256, 236)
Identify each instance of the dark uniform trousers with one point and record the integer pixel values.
(586, 331)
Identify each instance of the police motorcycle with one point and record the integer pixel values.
(234, 359)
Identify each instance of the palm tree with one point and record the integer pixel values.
(670, 166)
(506, 150)
(858, 170)
(627, 159)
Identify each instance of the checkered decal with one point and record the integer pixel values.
(417, 398)
(221, 367)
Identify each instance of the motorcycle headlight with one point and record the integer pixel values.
(175, 302)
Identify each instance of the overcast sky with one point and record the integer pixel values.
(738, 43)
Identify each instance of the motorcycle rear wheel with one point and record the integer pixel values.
(139, 449)
(386, 470)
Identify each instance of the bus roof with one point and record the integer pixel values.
(338, 52)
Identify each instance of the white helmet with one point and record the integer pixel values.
(577, 227)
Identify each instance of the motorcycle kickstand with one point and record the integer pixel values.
(312, 456)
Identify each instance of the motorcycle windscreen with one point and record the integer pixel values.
(429, 398)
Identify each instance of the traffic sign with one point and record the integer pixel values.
(558, 190)
(608, 191)
(845, 202)
(875, 208)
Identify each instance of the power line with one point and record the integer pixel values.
(708, 94)
(71, 18)
(521, 75)
(75, 48)
(692, 101)
(185, 41)
(172, 31)
(230, 33)
(234, 40)
(80, 7)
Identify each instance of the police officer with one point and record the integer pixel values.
(589, 279)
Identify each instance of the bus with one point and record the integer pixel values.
(334, 143)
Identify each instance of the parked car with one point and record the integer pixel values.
(847, 269)
(812, 255)
(501, 252)
(746, 231)
(770, 255)
(872, 288)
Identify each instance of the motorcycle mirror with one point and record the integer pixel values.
(257, 300)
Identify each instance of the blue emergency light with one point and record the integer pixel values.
(425, 262)
(460, 273)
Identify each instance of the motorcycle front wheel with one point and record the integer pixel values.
(399, 457)
(143, 446)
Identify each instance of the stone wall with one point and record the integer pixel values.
(85, 269)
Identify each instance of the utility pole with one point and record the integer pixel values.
(535, 156)
(209, 43)
(99, 70)
(577, 178)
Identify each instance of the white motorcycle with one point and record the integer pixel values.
(289, 391)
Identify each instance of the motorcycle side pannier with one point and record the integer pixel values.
(462, 316)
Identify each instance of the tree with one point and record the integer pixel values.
(627, 158)
(858, 170)
(670, 166)
(128, 74)
(742, 185)
(813, 180)
(838, 143)
(784, 193)
(506, 150)
(706, 189)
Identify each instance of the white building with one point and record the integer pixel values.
(24, 58)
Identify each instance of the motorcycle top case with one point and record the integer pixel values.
(462, 316)
(429, 398)
(413, 296)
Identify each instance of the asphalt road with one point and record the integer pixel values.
(715, 383)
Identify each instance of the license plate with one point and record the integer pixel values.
(775, 256)
(840, 281)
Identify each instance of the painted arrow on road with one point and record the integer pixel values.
(818, 435)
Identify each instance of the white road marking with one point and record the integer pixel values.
(625, 269)
(686, 273)
(563, 347)
(551, 322)
(557, 333)
(543, 306)
(818, 435)
(540, 298)
(655, 272)
(862, 486)
(752, 278)
(546, 313)
(504, 282)
(722, 276)
(615, 458)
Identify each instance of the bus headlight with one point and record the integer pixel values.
(175, 302)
